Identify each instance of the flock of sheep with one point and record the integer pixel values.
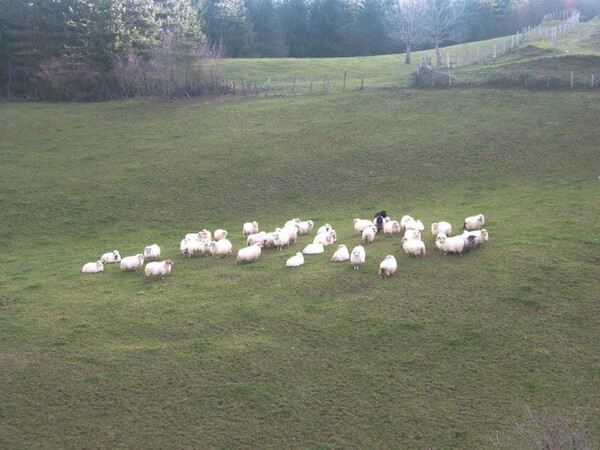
(207, 243)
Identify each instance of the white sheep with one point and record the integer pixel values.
(152, 251)
(324, 229)
(158, 268)
(388, 266)
(112, 257)
(292, 230)
(473, 222)
(454, 244)
(250, 228)
(305, 226)
(412, 234)
(292, 222)
(205, 246)
(295, 261)
(441, 227)
(204, 234)
(413, 247)
(358, 256)
(391, 226)
(361, 224)
(414, 225)
(341, 254)
(368, 234)
(219, 234)
(248, 254)
(326, 238)
(93, 267)
(255, 238)
(281, 238)
(403, 221)
(221, 248)
(313, 249)
(192, 236)
(190, 247)
(481, 236)
(132, 262)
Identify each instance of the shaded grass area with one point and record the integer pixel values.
(445, 353)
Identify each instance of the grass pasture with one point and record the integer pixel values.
(447, 353)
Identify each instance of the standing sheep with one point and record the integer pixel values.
(341, 254)
(413, 247)
(152, 251)
(221, 248)
(368, 234)
(132, 262)
(391, 227)
(358, 256)
(388, 266)
(305, 227)
(219, 234)
(441, 227)
(454, 244)
(93, 267)
(473, 222)
(361, 224)
(250, 228)
(158, 268)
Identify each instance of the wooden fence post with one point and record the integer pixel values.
(344, 85)
(294, 85)
(572, 78)
(362, 81)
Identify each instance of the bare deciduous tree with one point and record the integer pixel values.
(441, 24)
(403, 23)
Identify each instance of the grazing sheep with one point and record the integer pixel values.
(388, 266)
(190, 247)
(358, 256)
(454, 244)
(368, 234)
(112, 257)
(473, 222)
(132, 262)
(391, 227)
(341, 254)
(93, 267)
(361, 224)
(295, 261)
(305, 227)
(324, 229)
(221, 248)
(219, 234)
(413, 247)
(158, 268)
(250, 228)
(441, 227)
(313, 249)
(248, 254)
(256, 238)
(152, 251)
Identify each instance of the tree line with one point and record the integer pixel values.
(100, 49)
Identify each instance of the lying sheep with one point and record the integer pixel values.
(112, 257)
(132, 262)
(441, 227)
(158, 269)
(361, 224)
(313, 249)
(250, 228)
(221, 248)
(358, 256)
(473, 222)
(341, 254)
(368, 234)
(219, 234)
(295, 261)
(327, 238)
(93, 267)
(388, 266)
(152, 251)
(248, 254)
(391, 227)
(413, 247)
(305, 227)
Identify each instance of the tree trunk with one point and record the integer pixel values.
(408, 49)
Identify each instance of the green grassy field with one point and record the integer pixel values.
(447, 353)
